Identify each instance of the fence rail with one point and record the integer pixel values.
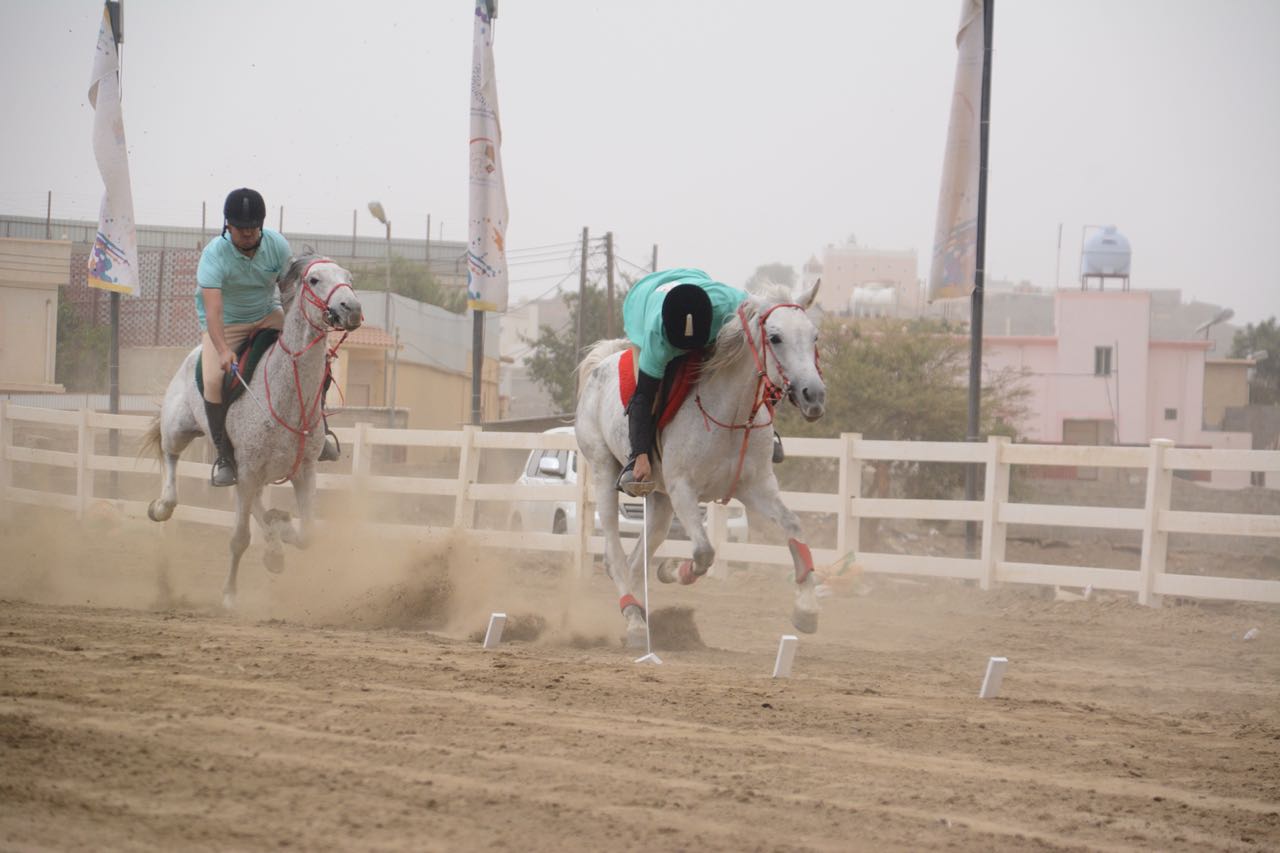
(1155, 520)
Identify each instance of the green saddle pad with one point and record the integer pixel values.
(248, 354)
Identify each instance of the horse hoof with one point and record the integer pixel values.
(637, 638)
(688, 574)
(806, 621)
(158, 511)
(666, 573)
(274, 561)
(229, 601)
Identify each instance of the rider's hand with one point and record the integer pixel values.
(225, 359)
(642, 469)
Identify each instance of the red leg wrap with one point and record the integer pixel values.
(628, 600)
(803, 559)
(686, 574)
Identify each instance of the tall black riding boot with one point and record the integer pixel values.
(778, 454)
(224, 467)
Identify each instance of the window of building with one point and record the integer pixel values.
(1170, 414)
(1102, 361)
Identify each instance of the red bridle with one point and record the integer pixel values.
(767, 393)
(310, 415)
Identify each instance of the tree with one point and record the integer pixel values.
(772, 273)
(83, 351)
(1264, 387)
(904, 381)
(411, 279)
(553, 363)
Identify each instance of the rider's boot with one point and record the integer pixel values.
(629, 485)
(224, 467)
(778, 454)
(332, 450)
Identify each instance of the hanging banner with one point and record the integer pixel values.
(487, 227)
(955, 238)
(113, 262)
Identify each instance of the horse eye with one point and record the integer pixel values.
(775, 339)
(315, 279)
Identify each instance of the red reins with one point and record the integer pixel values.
(313, 414)
(766, 394)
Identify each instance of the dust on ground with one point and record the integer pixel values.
(347, 705)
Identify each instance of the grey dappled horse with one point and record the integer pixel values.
(719, 444)
(279, 433)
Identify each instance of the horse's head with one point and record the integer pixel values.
(791, 338)
(325, 287)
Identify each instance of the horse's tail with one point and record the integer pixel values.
(598, 352)
(151, 440)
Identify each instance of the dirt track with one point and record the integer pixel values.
(348, 707)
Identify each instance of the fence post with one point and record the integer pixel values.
(464, 509)
(995, 494)
(6, 471)
(1155, 542)
(849, 488)
(84, 476)
(585, 521)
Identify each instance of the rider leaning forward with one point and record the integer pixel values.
(666, 315)
(236, 296)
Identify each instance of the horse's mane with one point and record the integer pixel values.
(598, 352)
(730, 341)
(288, 280)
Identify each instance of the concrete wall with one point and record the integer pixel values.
(31, 271)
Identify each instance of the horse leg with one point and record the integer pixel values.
(239, 542)
(685, 503)
(171, 447)
(615, 558)
(304, 493)
(161, 509)
(768, 502)
(275, 527)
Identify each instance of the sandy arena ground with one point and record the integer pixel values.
(349, 706)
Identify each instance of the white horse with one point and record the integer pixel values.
(275, 426)
(718, 445)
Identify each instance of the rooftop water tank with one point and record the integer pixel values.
(1106, 253)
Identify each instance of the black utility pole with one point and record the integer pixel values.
(973, 432)
(582, 301)
(608, 316)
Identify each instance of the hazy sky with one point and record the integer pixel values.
(729, 134)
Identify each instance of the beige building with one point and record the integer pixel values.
(1226, 384)
(864, 282)
(31, 271)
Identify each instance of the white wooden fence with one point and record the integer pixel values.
(994, 513)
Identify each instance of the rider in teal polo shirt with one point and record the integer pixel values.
(666, 315)
(237, 295)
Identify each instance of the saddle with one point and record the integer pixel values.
(248, 354)
(681, 376)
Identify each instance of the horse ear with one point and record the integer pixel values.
(805, 299)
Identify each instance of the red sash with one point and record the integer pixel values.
(686, 376)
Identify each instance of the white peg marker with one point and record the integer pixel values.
(493, 636)
(786, 656)
(995, 675)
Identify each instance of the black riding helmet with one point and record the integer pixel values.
(244, 208)
(686, 316)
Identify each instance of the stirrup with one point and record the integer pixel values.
(778, 453)
(630, 486)
(332, 449)
(223, 472)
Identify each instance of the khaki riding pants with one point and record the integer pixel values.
(234, 334)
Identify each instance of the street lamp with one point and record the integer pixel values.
(375, 207)
(1222, 316)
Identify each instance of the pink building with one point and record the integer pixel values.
(1101, 379)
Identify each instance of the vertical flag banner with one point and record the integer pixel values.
(113, 262)
(487, 228)
(955, 236)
